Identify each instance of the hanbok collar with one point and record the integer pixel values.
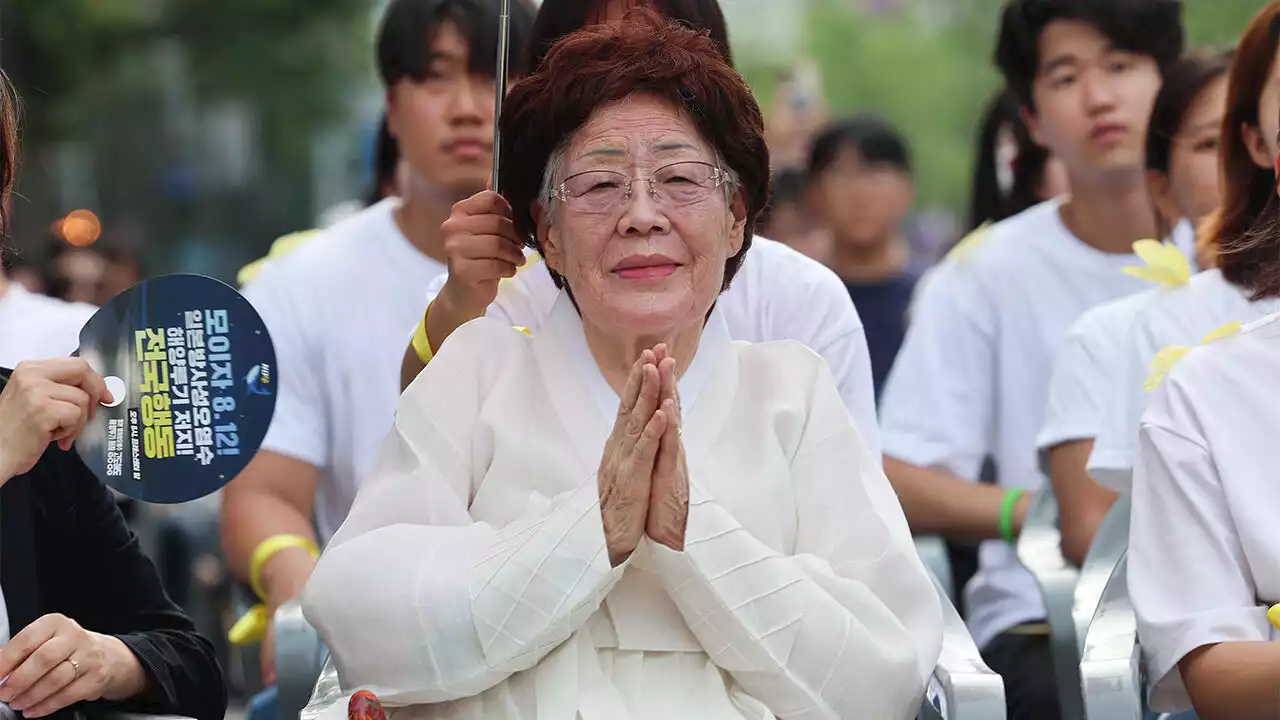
(563, 340)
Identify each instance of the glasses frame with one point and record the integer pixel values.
(719, 178)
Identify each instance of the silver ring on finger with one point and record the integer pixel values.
(75, 667)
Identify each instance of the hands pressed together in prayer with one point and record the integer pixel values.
(643, 478)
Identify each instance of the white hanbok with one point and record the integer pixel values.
(471, 579)
(1204, 554)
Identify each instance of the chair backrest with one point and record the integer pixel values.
(1111, 664)
(1108, 546)
(328, 690)
(1040, 551)
(963, 687)
(933, 553)
(298, 655)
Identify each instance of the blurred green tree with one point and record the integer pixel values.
(136, 84)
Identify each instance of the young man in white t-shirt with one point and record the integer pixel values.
(971, 379)
(338, 307)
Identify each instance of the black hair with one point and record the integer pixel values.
(409, 27)
(1182, 85)
(986, 196)
(877, 142)
(386, 156)
(557, 18)
(1146, 27)
(786, 186)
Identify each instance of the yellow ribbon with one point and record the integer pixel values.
(281, 247)
(1165, 264)
(1164, 360)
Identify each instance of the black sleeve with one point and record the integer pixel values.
(92, 569)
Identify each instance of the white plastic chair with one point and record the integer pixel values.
(1111, 668)
(1040, 551)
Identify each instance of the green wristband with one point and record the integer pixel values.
(1006, 513)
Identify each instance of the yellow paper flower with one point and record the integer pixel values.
(1164, 360)
(971, 241)
(1165, 264)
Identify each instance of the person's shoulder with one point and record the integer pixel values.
(1251, 352)
(1115, 316)
(1009, 242)
(782, 264)
(786, 289)
(327, 255)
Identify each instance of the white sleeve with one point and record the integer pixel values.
(1188, 576)
(417, 601)
(1111, 462)
(936, 409)
(1077, 389)
(848, 625)
(300, 427)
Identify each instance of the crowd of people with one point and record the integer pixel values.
(648, 431)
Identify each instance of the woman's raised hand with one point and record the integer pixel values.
(627, 466)
(669, 491)
(45, 401)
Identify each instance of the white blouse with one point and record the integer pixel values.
(471, 579)
(1204, 554)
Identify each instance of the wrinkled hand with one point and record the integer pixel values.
(482, 247)
(54, 663)
(626, 468)
(45, 401)
(669, 491)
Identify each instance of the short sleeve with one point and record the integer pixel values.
(1188, 576)
(300, 427)
(937, 405)
(1078, 387)
(1111, 462)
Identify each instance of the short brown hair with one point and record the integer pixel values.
(600, 64)
(1248, 191)
(8, 147)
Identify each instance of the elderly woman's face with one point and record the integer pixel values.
(654, 260)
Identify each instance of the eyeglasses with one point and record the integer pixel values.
(600, 192)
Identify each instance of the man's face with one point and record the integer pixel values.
(444, 124)
(1092, 102)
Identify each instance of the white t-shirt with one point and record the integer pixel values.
(1183, 316)
(1091, 355)
(778, 294)
(337, 308)
(1204, 555)
(972, 378)
(36, 327)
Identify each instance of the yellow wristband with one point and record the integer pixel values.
(421, 345)
(267, 550)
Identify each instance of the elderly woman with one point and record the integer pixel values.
(626, 514)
